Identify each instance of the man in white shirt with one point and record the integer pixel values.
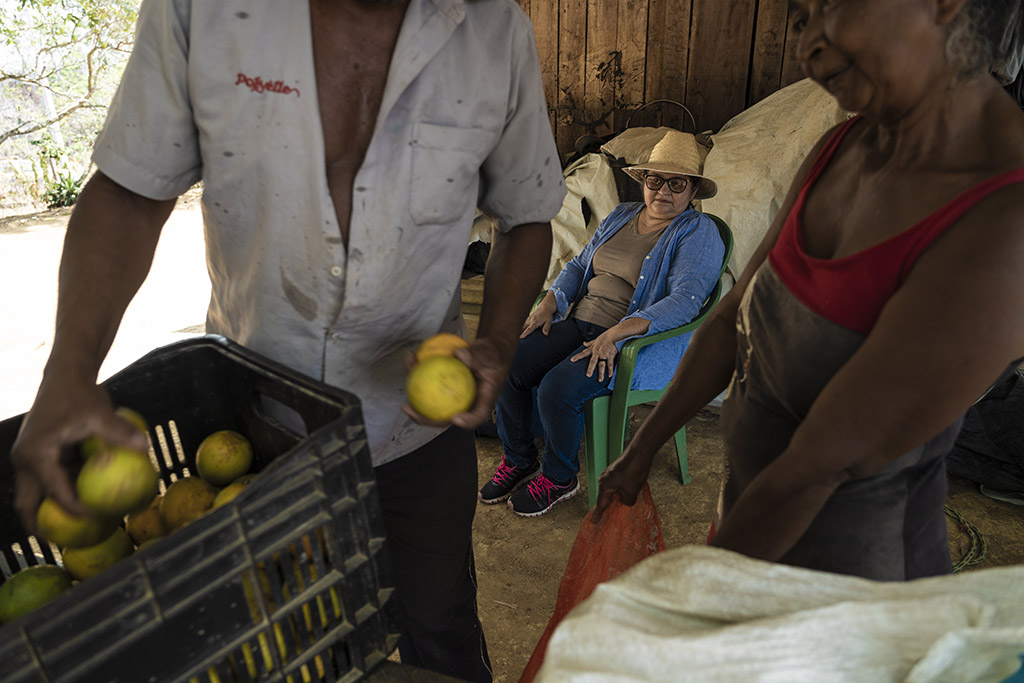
(343, 152)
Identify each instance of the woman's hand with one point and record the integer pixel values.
(602, 353)
(541, 317)
(625, 476)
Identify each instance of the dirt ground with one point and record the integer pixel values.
(520, 561)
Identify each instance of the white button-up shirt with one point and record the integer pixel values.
(225, 91)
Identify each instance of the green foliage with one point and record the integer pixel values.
(60, 62)
(47, 148)
(62, 187)
(62, 191)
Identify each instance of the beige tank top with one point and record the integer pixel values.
(616, 265)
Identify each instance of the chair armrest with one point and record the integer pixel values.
(630, 350)
(540, 297)
(633, 346)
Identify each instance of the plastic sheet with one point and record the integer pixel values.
(710, 615)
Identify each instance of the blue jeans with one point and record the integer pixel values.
(562, 387)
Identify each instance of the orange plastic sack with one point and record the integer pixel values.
(600, 552)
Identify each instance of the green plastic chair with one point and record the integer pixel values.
(606, 418)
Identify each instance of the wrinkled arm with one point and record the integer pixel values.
(111, 238)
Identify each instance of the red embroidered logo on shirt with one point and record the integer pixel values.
(259, 85)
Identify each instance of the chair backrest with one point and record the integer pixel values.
(726, 234)
(727, 239)
(709, 303)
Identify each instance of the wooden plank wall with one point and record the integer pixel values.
(602, 59)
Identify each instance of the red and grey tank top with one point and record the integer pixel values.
(800, 320)
(851, 291)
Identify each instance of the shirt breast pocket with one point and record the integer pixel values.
(446, 164)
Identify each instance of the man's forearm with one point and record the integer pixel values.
(111, 237)
(515, 274)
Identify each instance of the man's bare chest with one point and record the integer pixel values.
(352, 49)
(353, 44)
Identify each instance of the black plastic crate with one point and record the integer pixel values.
(288, 582)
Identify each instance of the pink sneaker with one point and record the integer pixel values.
(506, 480)
(541, 495)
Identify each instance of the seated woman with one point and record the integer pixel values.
(649, 267)
(883, 301)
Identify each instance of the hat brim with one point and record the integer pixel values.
(706, 188)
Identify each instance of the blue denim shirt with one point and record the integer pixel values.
(675, 279)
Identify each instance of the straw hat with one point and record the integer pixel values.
(677, 153)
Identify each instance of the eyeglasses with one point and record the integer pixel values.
(675, 185)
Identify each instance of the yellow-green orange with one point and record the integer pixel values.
(83, 563)
(145, 544)
(117, 481)
(443, 344)
(185, 500)
(133, 417)
(146, 524)
(223, 457)
(228, 494)
(91, 446)
(246, 479)
(95, 444)
(440, 387)
(30, 589)
(60, 527)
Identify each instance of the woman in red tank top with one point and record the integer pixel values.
(883, 301)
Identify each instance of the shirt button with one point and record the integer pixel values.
(648, 258)
(335, 336)
(641, 277)
(336, 271)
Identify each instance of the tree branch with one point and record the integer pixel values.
(29, 127)
(67, 49)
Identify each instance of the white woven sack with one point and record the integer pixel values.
(710, 615)
(755, 156)
(591, 178)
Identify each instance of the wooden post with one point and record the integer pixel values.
(719, 60)
(769, 47)
(604, 66)
(572, 73)
(631, 43)
(791, 69)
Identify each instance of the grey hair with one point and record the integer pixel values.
(975, 41)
